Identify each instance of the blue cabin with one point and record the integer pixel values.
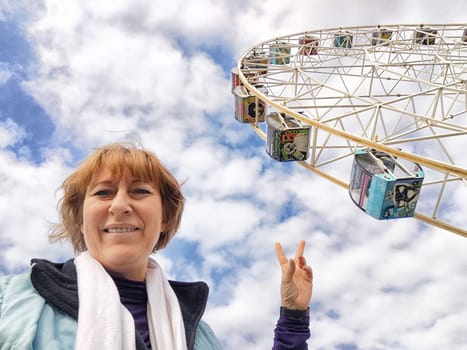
(383, 186)
(343, 39)
(280, 52)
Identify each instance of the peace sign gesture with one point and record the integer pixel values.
(296, 280)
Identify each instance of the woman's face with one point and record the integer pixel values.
(122, 222)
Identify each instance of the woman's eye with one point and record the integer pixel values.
(103, 193)
(141, 191)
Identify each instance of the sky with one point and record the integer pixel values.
(75, 75)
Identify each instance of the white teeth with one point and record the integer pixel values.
(120, 230)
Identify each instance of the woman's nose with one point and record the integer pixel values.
(120, 204)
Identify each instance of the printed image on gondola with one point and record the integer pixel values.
(287, 138)
(383, 186)
(245, 106)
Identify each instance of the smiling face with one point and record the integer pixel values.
(122, 222)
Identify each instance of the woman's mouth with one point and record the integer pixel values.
(120, 229)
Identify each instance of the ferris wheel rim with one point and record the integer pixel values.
(453, 172)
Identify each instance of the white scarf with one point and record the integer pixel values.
(105, 324)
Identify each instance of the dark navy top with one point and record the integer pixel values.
(134, 296)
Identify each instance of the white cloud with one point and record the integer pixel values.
(27, 209)
(5, 73)
(10, 133)
(206, 218)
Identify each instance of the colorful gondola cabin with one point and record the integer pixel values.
(384, 187)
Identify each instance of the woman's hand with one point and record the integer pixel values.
(296, 280)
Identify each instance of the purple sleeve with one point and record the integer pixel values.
(292, 330)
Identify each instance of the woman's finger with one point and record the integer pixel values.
(300, 249)
(280, 254)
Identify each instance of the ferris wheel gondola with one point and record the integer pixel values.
(383, 186)
(369, 95)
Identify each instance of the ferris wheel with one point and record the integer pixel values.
(378, 110)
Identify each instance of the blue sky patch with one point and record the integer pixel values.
(16, 104)
(14, 47)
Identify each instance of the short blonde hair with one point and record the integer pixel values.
(119, 159)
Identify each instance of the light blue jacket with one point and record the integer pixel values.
(28, 322)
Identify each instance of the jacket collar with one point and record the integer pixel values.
(57, 284)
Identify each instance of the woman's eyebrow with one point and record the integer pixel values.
(103, 182)
(140, 181)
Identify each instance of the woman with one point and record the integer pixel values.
(119, 207)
